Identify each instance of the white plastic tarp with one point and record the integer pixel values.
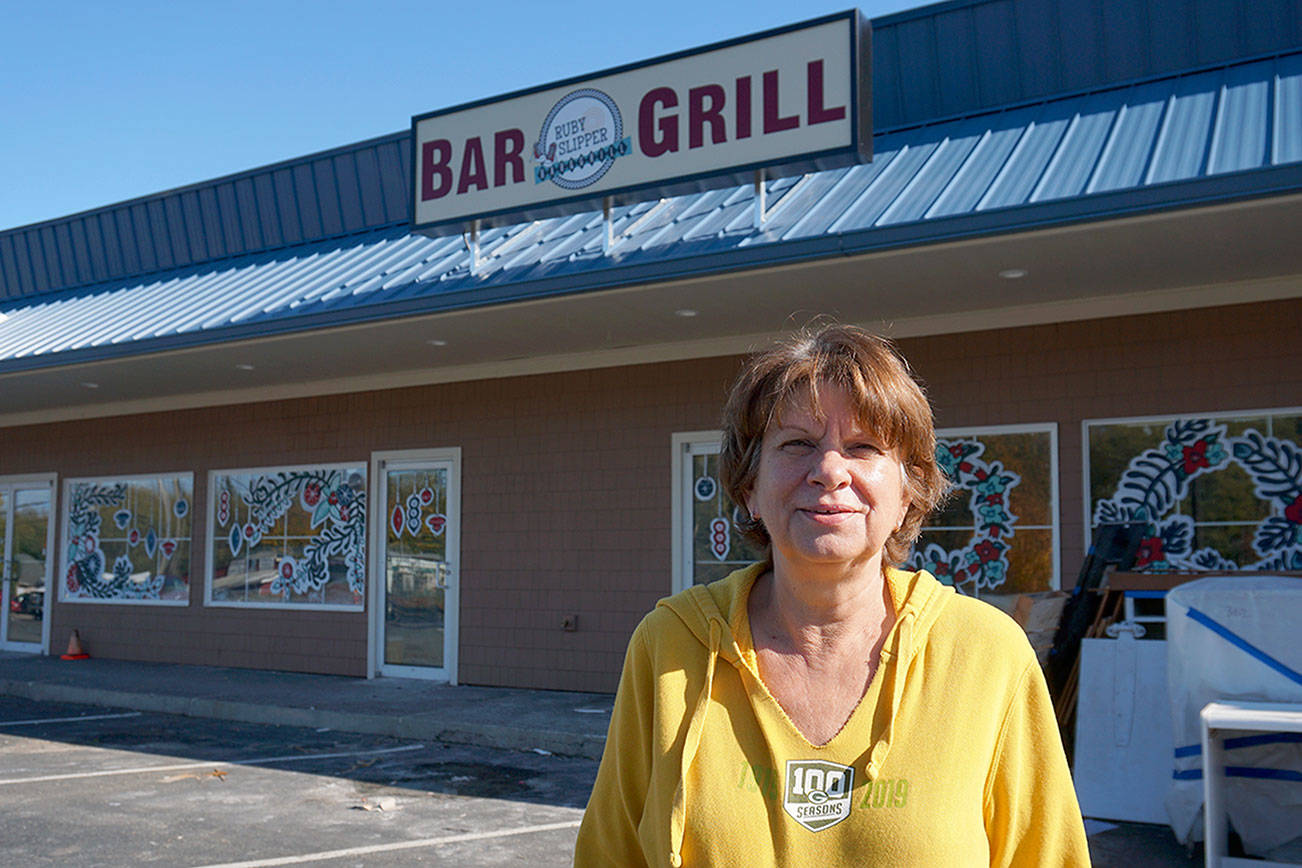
(1236, 638)
(1123, 730)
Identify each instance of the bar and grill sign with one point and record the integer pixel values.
(785, 101)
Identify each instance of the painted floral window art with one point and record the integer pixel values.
(291, 535)
(996, 533)
(128, 539)
(1214, 493)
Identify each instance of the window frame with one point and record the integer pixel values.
(1162, 419)
(65, 526)
(210, 538)
(1055, 491)
(685, 444)
(381, 462)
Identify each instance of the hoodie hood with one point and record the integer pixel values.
(716, 615)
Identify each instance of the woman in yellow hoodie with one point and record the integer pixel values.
(823, 707)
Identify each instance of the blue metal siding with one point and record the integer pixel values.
(191, 222)
(327, 197)
(1080, 37)
(1263, 28)
(11, 287)
(954, 29)
(157, 232)
(394, 158)
(86, 251)
(996, 39)
(258, 210)
(112, 242)
(45, 263)
(1125, 37)
(95, 253)
(1038, 57)
(144, 239)
(286, 204)
(887, 76)
(1175, 44)
(228, 219)
(350, 199)
(309, 214)
(213, 236)
(1065, 45)
(264, 197)
(917, 49)
(64, 253)
(1216, 29)
(176, 230)
(372, 193)
(250, 229)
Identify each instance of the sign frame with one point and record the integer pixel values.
(858, 150)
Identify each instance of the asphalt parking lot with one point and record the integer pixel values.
(83, 785)
(86, 786)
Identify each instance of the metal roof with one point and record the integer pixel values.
(1225, 133)
(938, 62)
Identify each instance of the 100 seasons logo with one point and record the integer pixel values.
(817, 793)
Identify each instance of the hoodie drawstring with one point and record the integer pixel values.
(899, 667)
(678, 815)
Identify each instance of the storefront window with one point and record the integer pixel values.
(998, 532)
(711, 545)
(288, 536)
(127, 539)
(1216, 492)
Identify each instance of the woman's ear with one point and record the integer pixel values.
(906, 499)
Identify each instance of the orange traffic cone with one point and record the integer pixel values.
(75, 651)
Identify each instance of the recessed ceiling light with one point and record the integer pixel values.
(244, 366)
(437, 342)
(685, 312)
(1013, 273)
(90, 385)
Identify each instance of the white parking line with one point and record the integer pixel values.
(399, 845)
(36, 721)
(295, 758)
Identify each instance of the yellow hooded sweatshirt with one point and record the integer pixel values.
(952, 758)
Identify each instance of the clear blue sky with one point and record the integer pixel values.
(101, 102)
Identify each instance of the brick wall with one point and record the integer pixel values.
(566, 477)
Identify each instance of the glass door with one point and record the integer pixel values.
(415, 572)
(26, 537)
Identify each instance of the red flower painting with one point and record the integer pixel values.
(1150, 551)
(1195, 457)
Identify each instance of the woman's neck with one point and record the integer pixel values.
(818, 615)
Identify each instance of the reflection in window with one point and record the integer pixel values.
(997, 533)
(716, 545)
(128, 539)
(1216, 492)
(289, 536)
(416, 569)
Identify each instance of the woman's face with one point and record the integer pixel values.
(828, 492)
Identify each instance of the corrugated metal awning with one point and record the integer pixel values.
(1227, 133)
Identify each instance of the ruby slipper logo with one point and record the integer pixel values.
(580, 140)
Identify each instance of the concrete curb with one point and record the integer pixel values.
(421, 727)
